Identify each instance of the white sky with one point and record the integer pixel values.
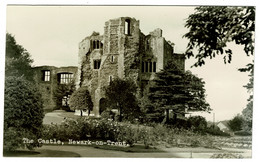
(51, 35)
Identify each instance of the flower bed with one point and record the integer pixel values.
(103, 129)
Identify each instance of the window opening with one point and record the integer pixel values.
(127, 26)
(46, 75)
(66, 78)
(154, 66)
(97, 64)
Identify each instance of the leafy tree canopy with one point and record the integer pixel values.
(61, 91)
(236, 124)
(120, 95)
(17, 61)
(81, 100)
(212, 27)
(23, 113)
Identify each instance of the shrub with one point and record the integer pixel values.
(243, 133)
(179, 123)
(216, 131)
(23, 113)
(236, 123)
(103, 129)
(198, 123)
(81, 99)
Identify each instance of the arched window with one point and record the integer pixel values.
(97, 64)
(127, 27)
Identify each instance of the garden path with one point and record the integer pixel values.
(84, 151)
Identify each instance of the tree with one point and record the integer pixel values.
(23, 113)
(81, 100)
(177, 90)
(248, 111)
(199, 123)
(248, 116)
(61, 91)
(236, 124)
(120, 95)
(212, 27)
(17, 61)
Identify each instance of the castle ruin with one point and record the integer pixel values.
(123, 51)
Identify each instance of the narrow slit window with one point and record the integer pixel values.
(127, 27)
(110, 79)
(94, 44)
(154, 66)
(142, 66)
(97, 44)
(146, 66)
(151, 67)
(97, 64)
(112, 58)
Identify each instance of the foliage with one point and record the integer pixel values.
(103, 129)
(179, 123)
(198, 123)
(107, 114)
(81, 100)
(214, 130)
(120, 95)
(248, 116)
(236, 124)
(61, 91)
(177, 90)
(17, 60)
(248, 111)
(243, 133)
(23, 113)
(212, 27)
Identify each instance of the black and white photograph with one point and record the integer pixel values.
(129, 81)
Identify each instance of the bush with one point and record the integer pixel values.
(103, 129)
(236, 123)
(216, 131)
(198, 123)
(243, 133)
(23, 113)
(81, 99)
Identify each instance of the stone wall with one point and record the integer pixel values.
(124, 49)
(47, 88)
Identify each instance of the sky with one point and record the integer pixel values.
(51, 35)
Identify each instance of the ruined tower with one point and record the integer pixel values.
(122, 51)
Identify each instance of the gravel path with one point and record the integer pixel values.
(53, 117)
(84, 151)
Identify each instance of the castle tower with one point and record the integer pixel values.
(123, 51)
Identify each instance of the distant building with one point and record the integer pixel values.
(123, 51)
(223, 126)
(49, 78)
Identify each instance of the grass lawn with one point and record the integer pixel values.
(41, 153)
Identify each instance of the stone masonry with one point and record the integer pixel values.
(123, 51)
(49, 78)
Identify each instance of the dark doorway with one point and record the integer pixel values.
(102, 105)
